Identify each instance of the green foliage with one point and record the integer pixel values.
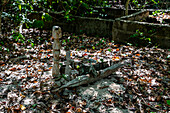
(139, 39)
(18, 37)
(70, 7)
(135, 2)
(14, 13)
(140, 4)
(19, 9)
(46, 17)
(38, 24)
(157, 12)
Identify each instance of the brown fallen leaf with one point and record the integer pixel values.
(158, 98)
(50, 68)
(2, 62)
(117, 49)
(35, 81)
(23, 96)
(13, 69)
(137, 54)
(39, 70)
(3, 65)
(29, 66)
(22, 107)
(78, 110)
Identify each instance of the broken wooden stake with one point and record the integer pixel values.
(68, 62)
(56, 34)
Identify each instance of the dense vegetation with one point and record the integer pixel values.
(18, 10)
(14, 13)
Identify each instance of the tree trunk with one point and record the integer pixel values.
(1, 9)
(3, 3)
(126, 7)
(56, 33)
(0, 21)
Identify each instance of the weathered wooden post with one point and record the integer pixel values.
(56, 34)
(68, 62)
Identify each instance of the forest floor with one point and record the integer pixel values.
(26, 77)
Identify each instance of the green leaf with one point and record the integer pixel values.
(64, 41)
(19, 6)
(64, 76)
(65, 2)
(77, 66)
(129, 44)
(85, 5)
(31, 7)
(8, 49)
(2, 42)
(53, 2)
(27, 26)
(42, 17)
(32, 44)
(70, 1)
(67, 16)
(137, 31)
(22, 41)
(168, 102)
(93, 47)
(141, 33)
(34, 105)
(149, 39)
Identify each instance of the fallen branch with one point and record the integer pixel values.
(86, 79)
(150, 106)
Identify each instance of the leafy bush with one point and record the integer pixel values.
(140, 39)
